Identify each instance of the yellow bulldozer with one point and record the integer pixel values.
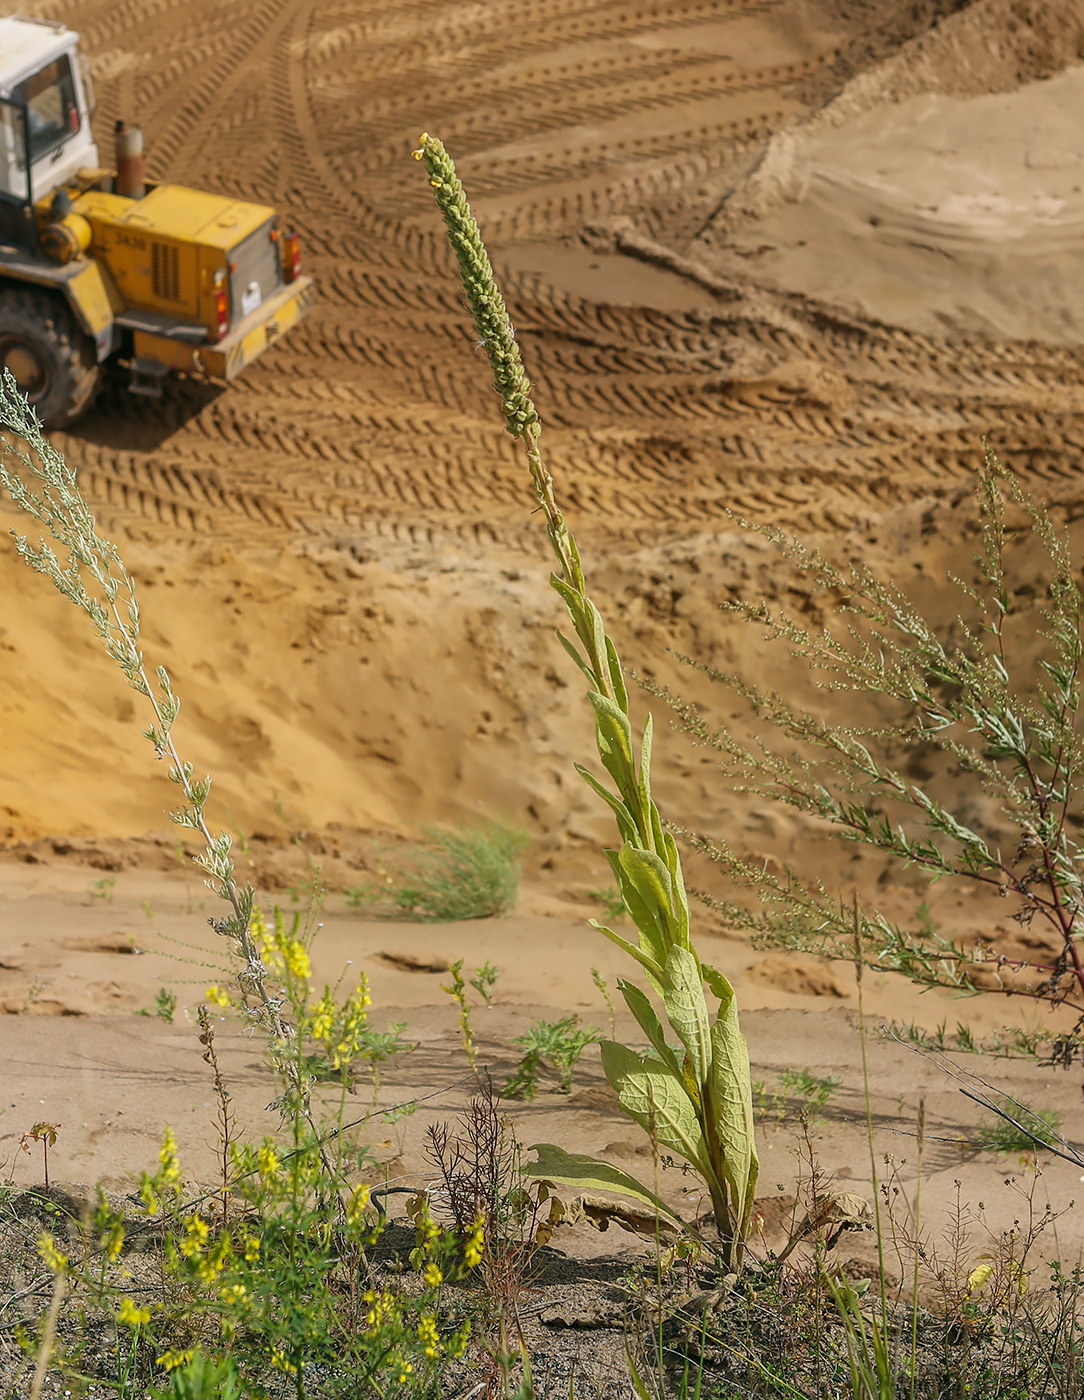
(105, 266)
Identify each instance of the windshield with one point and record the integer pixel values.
(51, 109)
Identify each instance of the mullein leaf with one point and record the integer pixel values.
(687, 1010)
(652, 1093)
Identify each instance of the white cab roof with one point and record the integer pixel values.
(27, 45)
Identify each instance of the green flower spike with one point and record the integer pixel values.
(491, 318)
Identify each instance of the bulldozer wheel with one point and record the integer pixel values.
(53, 361)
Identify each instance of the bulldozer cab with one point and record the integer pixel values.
(45, 132)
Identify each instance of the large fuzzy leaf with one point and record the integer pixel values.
(731, 1106)
(644, 915)
(585, 618)
(683, 997)
(648, 1021)
(653, 1094)
(570, 647)
(646, 873)
(617, 679)
(561, 1168)
(625, 823)
(614, 734)
(718, 984)
(669, 850)
(645, 769)
(652, 968)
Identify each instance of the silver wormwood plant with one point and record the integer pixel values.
(997, 698)
(88, 570)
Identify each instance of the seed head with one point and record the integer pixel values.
(491, 319)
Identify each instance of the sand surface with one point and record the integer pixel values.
(789, 258)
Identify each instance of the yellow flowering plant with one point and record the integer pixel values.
(287, 1281)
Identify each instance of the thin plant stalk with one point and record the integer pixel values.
(48, 1337)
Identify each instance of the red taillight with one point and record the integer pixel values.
(291, 262)
(222, 312)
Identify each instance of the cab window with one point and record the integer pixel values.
(52, 112)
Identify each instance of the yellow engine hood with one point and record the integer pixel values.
(171, 211)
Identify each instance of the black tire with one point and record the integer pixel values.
(52, 359)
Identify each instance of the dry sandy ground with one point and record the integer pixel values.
(787, 257)
(76, 965)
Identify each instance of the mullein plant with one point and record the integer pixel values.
(693, 1098)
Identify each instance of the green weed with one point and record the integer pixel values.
(613, 906)
(812, 1092)
(1037, 1127)
(956, 701)
(557, 1043)
(165, 1005)
(484, 980)
(457, 990)
(604, 988)
(103, 888)
(466, 873)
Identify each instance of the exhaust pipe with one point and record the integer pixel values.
(129, 145)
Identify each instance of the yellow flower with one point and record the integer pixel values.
(381, 1307)
(113, 1241)
(359, 1200)
(218, 996)
(196, 1232)
(234, 1293)
(167, 1156)
(268, 1162)
(428, 1335)
(279, 1362)
(458, 1343)
(252, 1249)
(433, 1276)
(472, 1252)
(210, 1267)
(296, 958)
(54, 1261)
(131, 1315)
(170, 1360)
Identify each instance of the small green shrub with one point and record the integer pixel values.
(201, 1379)
(967, 703)
(997, 1134)
(466, 873)
(812, 1091)
(613, 906)
(560, 1043)
(165, 1005)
